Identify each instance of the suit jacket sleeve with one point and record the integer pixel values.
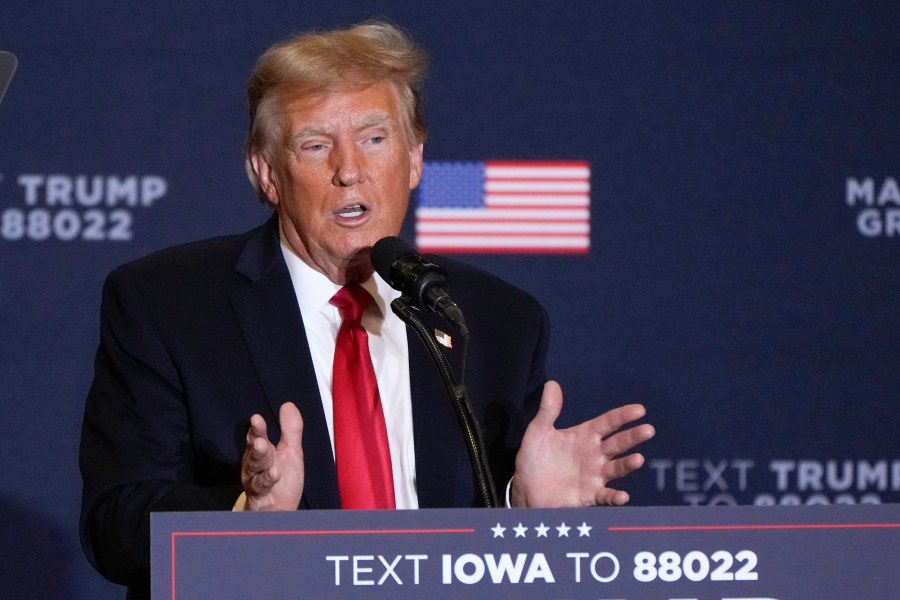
(136, 453)
(193, 340)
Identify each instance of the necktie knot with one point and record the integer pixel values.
(351, 301)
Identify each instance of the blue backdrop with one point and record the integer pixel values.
(742, 279)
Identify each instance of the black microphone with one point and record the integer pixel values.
(425, 283)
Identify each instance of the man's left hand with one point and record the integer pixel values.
(571, 467)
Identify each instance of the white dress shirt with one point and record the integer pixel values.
(390, 357)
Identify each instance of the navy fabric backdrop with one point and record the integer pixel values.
(742, 279)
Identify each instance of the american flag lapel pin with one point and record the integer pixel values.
(443, 339)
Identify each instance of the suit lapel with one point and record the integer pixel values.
(442, 468)
(267, 311)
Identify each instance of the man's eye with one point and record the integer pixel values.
(314, 147)
(377, 139)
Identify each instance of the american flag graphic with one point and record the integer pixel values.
(504, 207)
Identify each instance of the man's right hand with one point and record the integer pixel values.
(272, 476)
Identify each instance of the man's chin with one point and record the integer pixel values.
(354, 268)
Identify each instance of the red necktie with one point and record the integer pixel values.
(361, 450)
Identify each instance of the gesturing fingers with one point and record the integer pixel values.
(257, 429)
(291, 426)
(272, 476)
(614, 469)
(623, 441)
(257, 467)
(550, 407)
(620, 467)
(613, 420)
(263, 481)
(258, 456)
(610, 497)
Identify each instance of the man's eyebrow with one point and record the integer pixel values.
(309, 131)
(379, 120)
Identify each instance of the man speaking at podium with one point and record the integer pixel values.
(266, 371)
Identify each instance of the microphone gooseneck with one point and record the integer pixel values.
(423, 286)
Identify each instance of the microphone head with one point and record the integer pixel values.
(388, 251)
(424, 283)
(404, 270)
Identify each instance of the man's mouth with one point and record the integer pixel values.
(351, 211)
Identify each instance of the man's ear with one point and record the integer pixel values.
(261, 163)
(415, 165)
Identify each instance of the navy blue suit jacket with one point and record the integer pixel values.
(197, 338)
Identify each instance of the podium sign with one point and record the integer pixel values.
(822, 552)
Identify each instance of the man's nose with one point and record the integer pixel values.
(349, 167)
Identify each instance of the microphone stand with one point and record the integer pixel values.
(458, 398)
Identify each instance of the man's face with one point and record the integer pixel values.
(340, 176)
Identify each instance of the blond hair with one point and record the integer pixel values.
(316, 62)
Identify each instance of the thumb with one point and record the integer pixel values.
(551, 406)
(291, 424)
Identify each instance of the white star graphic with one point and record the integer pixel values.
(520, 530)
(563, 530)
(584, 530)
(541, 530)
(498, 530)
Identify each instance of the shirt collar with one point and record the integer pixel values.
(318, 289)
